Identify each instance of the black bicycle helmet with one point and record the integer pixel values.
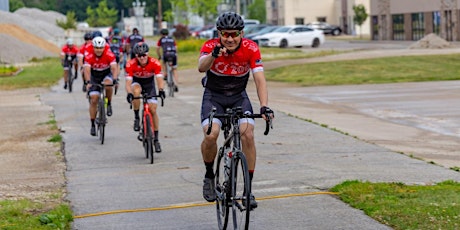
(97, 33)
(141, 48)
(164, 31)
(88, 36)
(230, 21)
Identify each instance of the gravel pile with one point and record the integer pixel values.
(36, 22)
(431, 41)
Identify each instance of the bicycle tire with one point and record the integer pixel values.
(222, 194)
(70, 78)
(101, 120)
(170, 81)
(149, 137)
(241, 191)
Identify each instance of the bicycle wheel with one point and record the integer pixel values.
(148, 136)
(70, 78)
(170, 80)
(222, 194)
(240, 191)
(101, 120)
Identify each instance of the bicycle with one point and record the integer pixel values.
(101, 118)
(146, 134)
(70, 76)
(170, 77)
(232, 183)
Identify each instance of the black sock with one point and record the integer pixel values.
(109, 102)
(156, 135)
(92, 122)
(209, 169)
(136, 114)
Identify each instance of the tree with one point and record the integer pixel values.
(16, 4)
(258, 11)
(206, 9)
(69, 23)
(102, 15)
(360, 16)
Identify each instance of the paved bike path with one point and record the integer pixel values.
(113, 186)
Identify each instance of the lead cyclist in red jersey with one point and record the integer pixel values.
(100, 68)
(69, 50)
(228, 61)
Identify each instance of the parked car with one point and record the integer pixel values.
(263, 31)
(326, 28)
(292, 36)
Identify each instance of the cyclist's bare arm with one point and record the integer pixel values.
(261, 86)
(114, 70)
(160, 81)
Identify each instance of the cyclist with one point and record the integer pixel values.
(116, 45)
(69, 50)
(133, 39)
(168, 45)
(228, 61)
(141, 75)
(84, 49)
(100, 68)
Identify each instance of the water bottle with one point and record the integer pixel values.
(105, 102)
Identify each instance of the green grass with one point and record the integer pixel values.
(370, 71)
(25, 214)
(405, 206)
(42, 73)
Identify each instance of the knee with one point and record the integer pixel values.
(247, 136)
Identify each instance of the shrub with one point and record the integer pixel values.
(181, 32)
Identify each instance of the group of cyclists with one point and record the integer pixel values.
(227, 62)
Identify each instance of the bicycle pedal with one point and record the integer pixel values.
(139, 137)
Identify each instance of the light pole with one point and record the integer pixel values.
(139, 10)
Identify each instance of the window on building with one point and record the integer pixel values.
(437, 22)
(299, 21)
(398, 27)
(375, 28)
(418, 26)
(321, 19)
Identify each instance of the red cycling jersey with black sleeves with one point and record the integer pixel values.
(71, 51)
(229, 73)
(100, 66)
(151, 69)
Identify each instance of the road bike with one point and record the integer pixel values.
(101, 118)
(70, 75)
(170, 77)
(232, 184)
(146, 133)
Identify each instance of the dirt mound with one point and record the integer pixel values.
(29, 33)
(431, 41)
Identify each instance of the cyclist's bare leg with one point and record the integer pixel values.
(248, 144)
(66, 72)
(153, 111)
(93, 106)
(108, 90)
(176, 78)
(136, 89)
(209, 143)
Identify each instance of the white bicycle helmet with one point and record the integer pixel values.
(69, 41)
(98, 42)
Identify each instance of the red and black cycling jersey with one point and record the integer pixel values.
(229, 73)
(69, 51)
(100, 66)
(151, 69)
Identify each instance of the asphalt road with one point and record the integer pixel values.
(113, 186)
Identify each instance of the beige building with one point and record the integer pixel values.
(336, 12)
(412, 20)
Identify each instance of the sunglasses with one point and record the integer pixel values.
(230, 34)
(141, 55)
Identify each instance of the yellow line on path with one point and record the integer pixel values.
(191, 205)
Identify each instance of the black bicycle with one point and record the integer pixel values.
(70, 74)
(146, 133)
(232, 183)
(101, 118)
(170, 77)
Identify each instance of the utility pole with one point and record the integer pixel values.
(160, 16)
(238, 7)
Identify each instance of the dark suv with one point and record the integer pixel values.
(326, 28)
